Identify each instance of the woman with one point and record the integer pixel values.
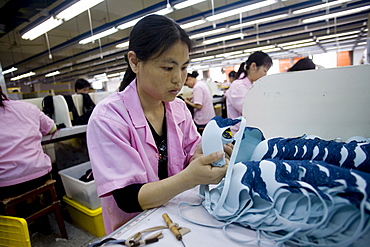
(23, 163)
(201, 102)
(143, 145)
(303, 64)
(256, 66)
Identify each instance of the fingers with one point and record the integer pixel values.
(228, 149)
(207, 159)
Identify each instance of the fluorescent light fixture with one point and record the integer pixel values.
(296, 42)
(208, 33)
(299, 45)
(98, 36)
(52, 74)
(267, 19)
(23, 76)
(187, 4)
(100, 76)
(261, 48)
(240, 10)
(164, 11)
(12, 69)
(233, 36)
(129, 24)
(192, 24)
(337, 35)
(97, 84)
(115, 74)
(42, 28)
(320, 6)
(338, 38)
(77, 9)
(123, 45)
(337, 14)
(228, 54)
(202, 58)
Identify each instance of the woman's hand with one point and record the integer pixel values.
(200, 170)
(228, 149)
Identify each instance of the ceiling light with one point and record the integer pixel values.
(240, 10)
(296, 42)
(299, 45)
(98, 36)
(42, 28)
(208, 33)
(187, 4)
(202, 58)
(337, 35)
(233, 36)
(23, 76)
(337, 14)
(12, 69)
(128, 24)
(267, 19)
(164, 11)
(77, 9)
(52, 74)
(320, 6)
(228, 54)
(123, 45)
(192, 24)
(259, 48)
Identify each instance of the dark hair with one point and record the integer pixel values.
(153, 35)
(2, 97)
(81, 83)
(302, 64)
(232, 74)
(193, 74)
(258, 57)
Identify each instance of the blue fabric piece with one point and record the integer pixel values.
(364, 166)
(224, 122)
(349, 162)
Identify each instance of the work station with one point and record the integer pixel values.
(185, 123)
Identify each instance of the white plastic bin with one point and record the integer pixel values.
(77, 190)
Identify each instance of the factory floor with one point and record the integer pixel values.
(77, 236)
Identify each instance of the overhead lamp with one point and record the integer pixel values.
(259, 48)
(337, 14)
(296, 42)
(187, 4)
(193, 24)
(23, 76)
(12, 69)
(52, 74)
(240, 10)
(42, 28)
(267, 19)
(123, 45)
(115, 74)
(338, 38)
(233, 36)
(59, 18)
(228, 54)
(98, 36)
(208, 33)
(320, 6)
(129, 24)
(164, 11)
(299, 45)
(77, 9)
(337, 35)
(202, 58)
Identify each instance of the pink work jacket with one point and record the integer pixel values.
(22, 158)
(123, 151)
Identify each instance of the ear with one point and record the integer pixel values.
(133, 60)
(253, 66)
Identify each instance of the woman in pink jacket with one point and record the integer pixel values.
(143, 145)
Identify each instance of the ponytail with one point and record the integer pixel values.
(128, 77)
(241, 70)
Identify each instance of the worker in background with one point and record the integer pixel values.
(23, 164)
(82, 87)
(232, 76)
(143, 144)
(201, 101)
(302, 64)
(256, 66)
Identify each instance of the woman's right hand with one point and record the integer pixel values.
(201, 171)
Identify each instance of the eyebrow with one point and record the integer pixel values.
(174, 62)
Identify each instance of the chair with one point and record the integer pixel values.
(9, 205)
(14, 232)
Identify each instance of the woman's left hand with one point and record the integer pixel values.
(228, 149)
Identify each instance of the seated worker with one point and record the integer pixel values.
(143, 145)
(23, 164)
(232, 76)
(201, 101)
(82, 87)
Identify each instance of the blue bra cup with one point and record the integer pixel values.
(354, 154)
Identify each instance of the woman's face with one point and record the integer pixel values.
(161, 78)
(256, 73)
(190, 81)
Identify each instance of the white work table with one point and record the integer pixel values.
(65, 132)
(199, 235)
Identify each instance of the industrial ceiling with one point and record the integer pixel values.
(279, 29)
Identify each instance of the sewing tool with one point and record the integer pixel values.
(173, 227)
